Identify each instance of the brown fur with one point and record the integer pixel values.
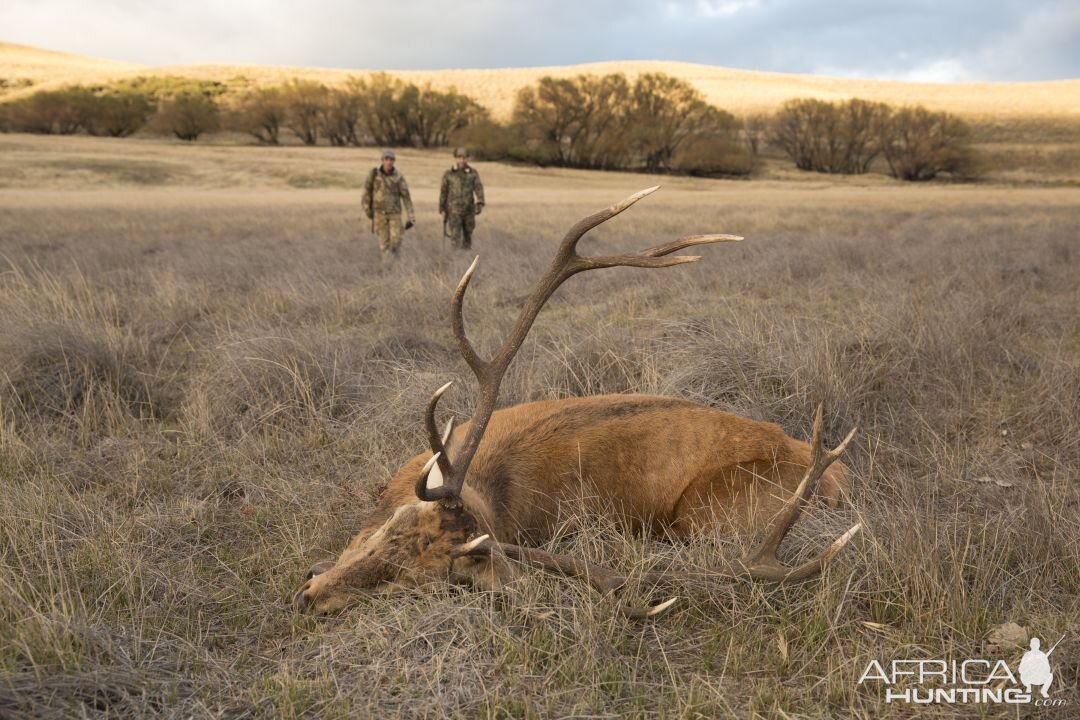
(662, 464)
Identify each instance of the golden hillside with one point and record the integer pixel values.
(740, 91)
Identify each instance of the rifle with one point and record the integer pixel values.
(369, 195)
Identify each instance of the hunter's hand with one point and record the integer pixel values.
(409, 224)
(479, 208)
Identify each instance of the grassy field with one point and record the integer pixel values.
(207, 376)
(737, 91)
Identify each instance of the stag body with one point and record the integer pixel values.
(664, 465)
(491, 488)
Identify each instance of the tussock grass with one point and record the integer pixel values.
(203, 391)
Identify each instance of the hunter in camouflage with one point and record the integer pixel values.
(461, 198)
(385, 193)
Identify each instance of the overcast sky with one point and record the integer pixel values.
(931, 40)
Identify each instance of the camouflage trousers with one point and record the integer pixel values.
(459, 227)
(388, 231)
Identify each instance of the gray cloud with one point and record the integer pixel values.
(906, 39)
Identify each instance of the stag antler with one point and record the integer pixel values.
(489, 373)
(759, 563)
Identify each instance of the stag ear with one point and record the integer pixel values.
(434, 477)
(319, 569)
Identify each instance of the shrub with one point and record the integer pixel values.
(605, 122)
(118, 114)
(188, 115)
(713, 155)
(15, 83)
(304, 102)
(755, 132)
(162, 87)
(577, 122)
(261, 114)
(920, 145)
(52, 112)
(436, 114)
(489, 140)
(392, 112)
(861, 123)
(666, 112)
(830, 137)
(340, 118)
(381, 113)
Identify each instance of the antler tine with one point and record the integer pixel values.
(438, 449)
(604, 580)
(653, 257)
(689, 241)
(584, 225)
(761, 563)
(435, 439)
(478, 365)
(758, 564)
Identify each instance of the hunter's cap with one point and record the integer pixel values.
(460, 152)
(388, 153)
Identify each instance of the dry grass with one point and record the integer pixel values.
(738, 91)
(204, 388)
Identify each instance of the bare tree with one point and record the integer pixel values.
(341, 117)
(306, 101)
(188, 115)
(667, 112)
(861, 122)
(920, 145)
(261, 113)
(830, 137)
(118, 114)
(755, 131)
(380, 108)
(52, 112)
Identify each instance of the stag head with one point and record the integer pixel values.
(415, 547)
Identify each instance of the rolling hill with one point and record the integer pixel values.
(739, 91)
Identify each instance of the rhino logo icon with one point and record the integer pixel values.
(1035, 667)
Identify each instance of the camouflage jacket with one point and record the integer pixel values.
(461, 193)
(386, 193)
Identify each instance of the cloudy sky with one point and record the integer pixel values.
(926, 40)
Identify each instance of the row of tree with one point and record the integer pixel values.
(656, 123)
(662, 124)
(378, 110)
(71, 110)
(848, 137)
